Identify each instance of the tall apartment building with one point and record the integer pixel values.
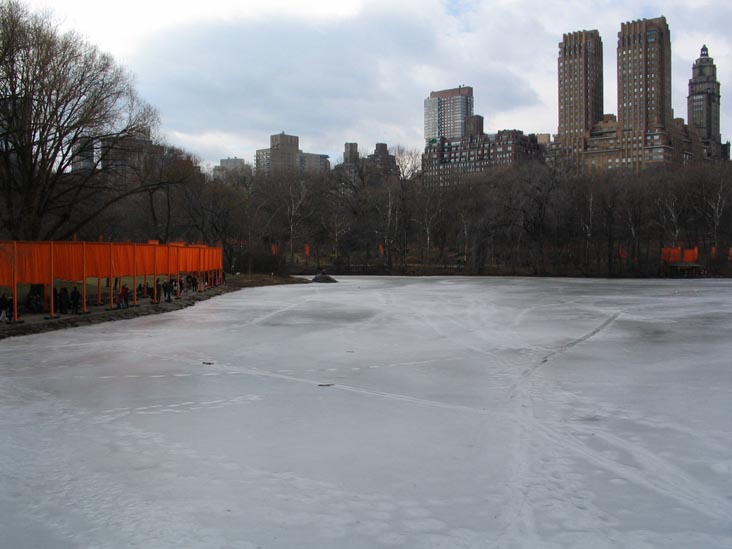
(445, 112)
(350, 153)
(453, 161)
(84, 159)
(313, 163)
(580, 87)
(702, 103)
(372, 169)
(644, 133)
(123, 157)
(285, 157)
(231, 169)
(645, 115)
(382, 161)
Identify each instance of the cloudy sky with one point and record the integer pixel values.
(225, 74)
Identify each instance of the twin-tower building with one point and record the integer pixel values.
(644, 132)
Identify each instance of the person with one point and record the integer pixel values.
(33, 303)
(75, 301)
(4, 314)
(63, 301)
(122, 298)
(168, 285)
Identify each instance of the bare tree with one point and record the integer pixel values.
(710, 197)
(163, 170)
(63, 104)
(289, 193)
(429, 207)
(408, 160)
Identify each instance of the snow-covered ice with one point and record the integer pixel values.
(406, 412)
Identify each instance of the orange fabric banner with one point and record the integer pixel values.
(671, 255)
(36, 262)
(691, 256)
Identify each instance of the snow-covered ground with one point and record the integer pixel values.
(408, 412)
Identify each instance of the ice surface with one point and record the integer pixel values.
(407, 412)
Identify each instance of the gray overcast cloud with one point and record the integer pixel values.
(359, 71)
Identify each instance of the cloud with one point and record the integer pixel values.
(360, 79)
(226, 76)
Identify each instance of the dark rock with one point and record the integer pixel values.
(323, 277)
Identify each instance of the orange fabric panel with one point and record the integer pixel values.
(103, 259)
(97, 259)
(671, 255)
(691, 256)
(6, 264)
(183, 259)
(123, 259)
(68, 260)
(162, 264)
(194, 255)
(145, 259)
(34, 262)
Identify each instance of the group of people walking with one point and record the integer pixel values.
(67, 301)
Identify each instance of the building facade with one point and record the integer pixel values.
(645, 132)
(84, 159)
(313, 163)
(231, 169)
(372, 169)
(580, 79)
(383, 162)
(124, 157)
(702, 104)
(285, 157)
(445, 112)
(350, 153)
(453, 161)
(645, 116)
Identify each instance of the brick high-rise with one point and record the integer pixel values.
(645, 132)
(703, 103)
(645, 114)
(580, 87)
(285, 157)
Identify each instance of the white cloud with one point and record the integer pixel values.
(226, 74)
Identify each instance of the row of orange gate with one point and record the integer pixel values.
(691, 255)
(45, 262)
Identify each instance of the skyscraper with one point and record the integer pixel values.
(645, 132)
(580, 87)
(645, 114)
(703, 103)
(350, 153)
(445, 112)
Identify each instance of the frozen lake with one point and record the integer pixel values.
(377, 412)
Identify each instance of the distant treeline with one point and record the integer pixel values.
(531, 219)
(79, 158)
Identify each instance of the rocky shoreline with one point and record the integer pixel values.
(37, 323)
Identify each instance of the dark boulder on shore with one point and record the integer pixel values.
(323, 277)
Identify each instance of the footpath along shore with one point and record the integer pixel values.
(36, 323)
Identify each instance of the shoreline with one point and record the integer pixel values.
(39, 323)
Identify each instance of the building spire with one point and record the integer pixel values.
(704, 51)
